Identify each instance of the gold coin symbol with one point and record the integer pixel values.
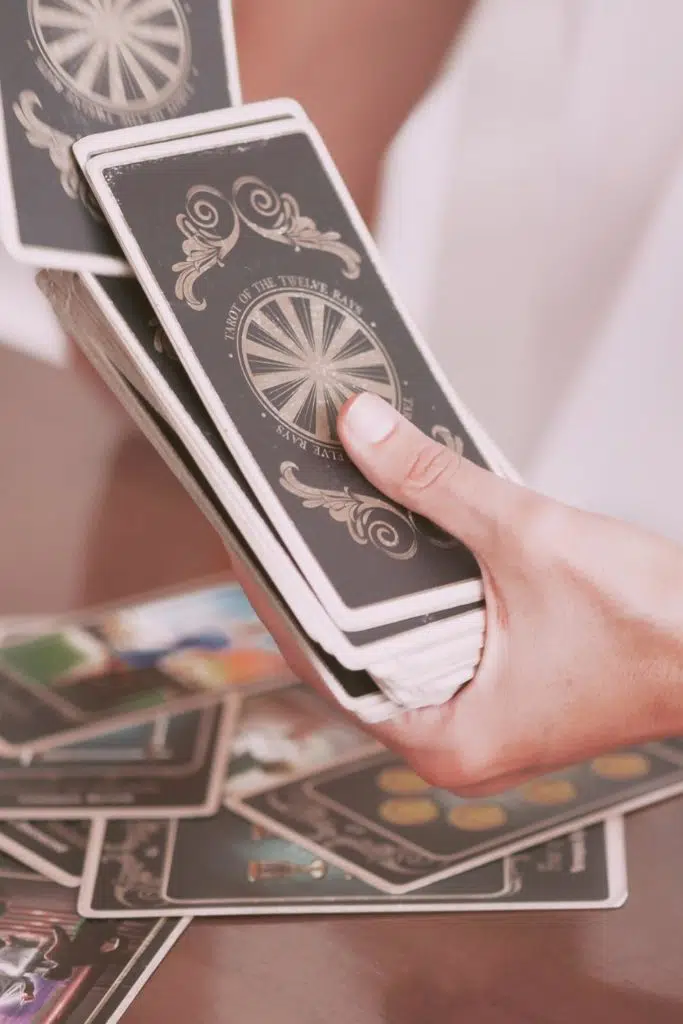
(621, 766)
(477, 817)
(409, 811)
(401, 781)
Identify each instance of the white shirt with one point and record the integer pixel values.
(534, 225)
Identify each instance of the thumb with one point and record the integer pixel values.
(424, 476)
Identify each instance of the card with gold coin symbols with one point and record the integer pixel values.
(378, 820)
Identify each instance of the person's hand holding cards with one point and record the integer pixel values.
(576, 659)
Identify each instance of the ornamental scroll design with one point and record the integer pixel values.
(369, 520)
(212, 224)
(58, 145)
(372, 520)
(333, 832)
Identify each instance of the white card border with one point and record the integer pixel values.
(135, 989)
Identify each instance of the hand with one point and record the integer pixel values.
(584, 641)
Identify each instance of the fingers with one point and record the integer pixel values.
(425, 476)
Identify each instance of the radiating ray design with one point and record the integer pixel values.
(124, 55)
(305, 355)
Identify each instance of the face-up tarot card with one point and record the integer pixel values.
(54, 966)
(226, 865)
(375, 818)
(301, 319)
(55, 849)
(130, 664)
(171, 765)
(69, 68)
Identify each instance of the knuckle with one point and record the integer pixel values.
(432, 469)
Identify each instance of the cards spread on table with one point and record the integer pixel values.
(226, 865)
(82, 677)
(55, 966)
(69, 68)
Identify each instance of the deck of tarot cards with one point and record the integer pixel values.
(247, 303)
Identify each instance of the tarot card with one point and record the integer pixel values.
(116, 313)
(173, 765)
(378, 820)
(315, 324)
(73, 67)
(226, 865)
(55, 849)
(55, 966)
(130, 664)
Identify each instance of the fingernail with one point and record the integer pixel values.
(369, 419)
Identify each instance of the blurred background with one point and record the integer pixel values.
(531, 216)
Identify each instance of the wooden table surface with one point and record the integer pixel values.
(89, 514)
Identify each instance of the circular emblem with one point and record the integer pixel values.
(304, 354)
(125, 56)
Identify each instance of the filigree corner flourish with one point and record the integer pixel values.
(364, 516)
(281, 220)
(58, 144)
(266, 212)
(204, 247)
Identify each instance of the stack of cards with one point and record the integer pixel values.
(210, 262)
(259, 308)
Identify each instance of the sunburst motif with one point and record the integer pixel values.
(123, 55)
(304, 355)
